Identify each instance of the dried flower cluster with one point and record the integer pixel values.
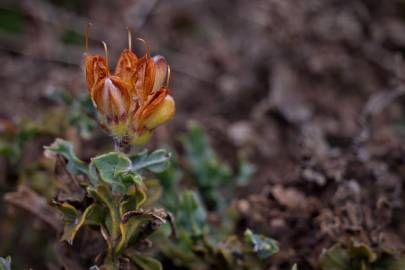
(135, 99)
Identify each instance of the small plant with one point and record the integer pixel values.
(210, 175)
(202, 243)
(203, 246)
(110, 193)
(118, 194)
(115, 195)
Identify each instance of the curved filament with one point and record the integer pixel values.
(86, 37)
(129, 39)
(105, 52)
(168, 76)
(146, 46)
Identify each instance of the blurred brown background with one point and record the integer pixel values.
(311, 92)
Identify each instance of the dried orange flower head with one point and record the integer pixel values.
(135, 99)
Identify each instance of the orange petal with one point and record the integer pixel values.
(162, 113)
(160, 73)
(144, 78)
(126, 66)
(153, 103)
(95, 69)
(112, 98)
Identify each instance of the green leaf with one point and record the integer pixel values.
(131, 229)
(156, 162)
(154, 191)
(209, 172)
(131, 178)
(335, 258)
(64, 148)
(96, 215)
(144, 262)
(261, 245)
(204, 163)
(103, 195)
(191, 214)
(74, 220)
(196, 144)
(5, 263)
(70, 213)
(135, 199)
(133, 225)
(246, 171)
(169, 181)
(112, 168)
(361, 251)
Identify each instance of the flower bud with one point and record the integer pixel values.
(113, 103)
(162, 114)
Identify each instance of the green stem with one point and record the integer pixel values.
(123, 241)
(115, 221)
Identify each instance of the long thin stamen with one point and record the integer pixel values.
(129, 39)
(105, 52)
(146, 46)
(168, 76)
(86, 37)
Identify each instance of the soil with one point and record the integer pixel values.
(311, 92)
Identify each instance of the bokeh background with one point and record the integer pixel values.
(311, 92)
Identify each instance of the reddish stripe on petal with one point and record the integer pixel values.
(96, 95)
(112, 98)
(121, 99)
(144, 78)
(126, 66)
(149, 76)
(139, 78)
(154, 102)
(95, 70)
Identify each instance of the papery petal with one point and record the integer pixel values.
(126, 66)
(160, 73)
(152, 103)
(112, 98)
(162, 114)
(144, 78)
(95, 69)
